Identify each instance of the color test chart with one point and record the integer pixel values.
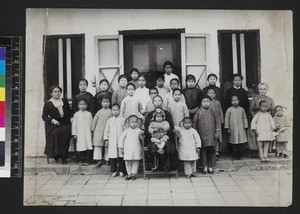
(10, 106)
(2, 105)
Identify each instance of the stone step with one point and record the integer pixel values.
(40, 166)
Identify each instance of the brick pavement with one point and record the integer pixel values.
(242, 188)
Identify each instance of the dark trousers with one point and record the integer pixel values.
(114, 165)
(85, 156)
(237, 150)
(208, 156)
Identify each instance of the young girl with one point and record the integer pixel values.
(192, 95)
(153, 92)
(216, 106)
(130, 146)
(212, 80)
(142, 93)
(282, 138)
(121, 92)
(189, 146)
(168, 67)
(263, 125)
(162, 90)
(158, 129)
(112, 132)
(83, 94)
(178, 109)
(236, 124)
(131, 104)
(169, 100)
(240, 92)
(134, 74)
(81, 130)
(208, 125)
(98, 127)
(104, 92)
(262, 90)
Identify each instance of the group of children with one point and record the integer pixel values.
(115, 131)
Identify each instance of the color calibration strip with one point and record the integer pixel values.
(13, 104)
(2, 105)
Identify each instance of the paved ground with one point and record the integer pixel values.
(251, 188)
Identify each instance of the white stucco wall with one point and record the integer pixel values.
(275, 41)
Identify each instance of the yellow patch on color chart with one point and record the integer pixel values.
(2, 94)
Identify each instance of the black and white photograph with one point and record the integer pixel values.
(158, 107)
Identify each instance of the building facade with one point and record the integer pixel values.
(63, 45)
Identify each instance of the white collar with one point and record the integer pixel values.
(236, 87)
(57, 103)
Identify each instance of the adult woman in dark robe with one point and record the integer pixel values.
(57, 114)
(168, 160)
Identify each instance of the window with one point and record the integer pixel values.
(239, 53)
(64, 63)
(109, 59)
(195, 57)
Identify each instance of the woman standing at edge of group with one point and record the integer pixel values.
(57, 114)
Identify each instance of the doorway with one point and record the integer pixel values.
(239, 54)
(63, 63)
(147, 50)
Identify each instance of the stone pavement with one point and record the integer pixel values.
(243, 188)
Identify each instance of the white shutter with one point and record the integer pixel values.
(195, 57)
(108, 59)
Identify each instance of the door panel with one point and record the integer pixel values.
(195, 57)
(64, 63)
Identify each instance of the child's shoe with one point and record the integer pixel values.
(210, 170)
(87, 164)
(82, 164)
(127, 178)
(114, 174)
(204, 170)
(121, 174)
(188, 176)
(133, 178)
(267, 159)
(285, 156)
(99, 164)
(262, 159)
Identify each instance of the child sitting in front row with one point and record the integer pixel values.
(263, 125)
(113, 130)
(282, 137)
(131, 105)
(236, 124)
(189, 146)
(81, 129)
(98, 127)
(121, 92)
(178, 109)
(208, 125)
(153, 92)
(158, 129)
(130, 146)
